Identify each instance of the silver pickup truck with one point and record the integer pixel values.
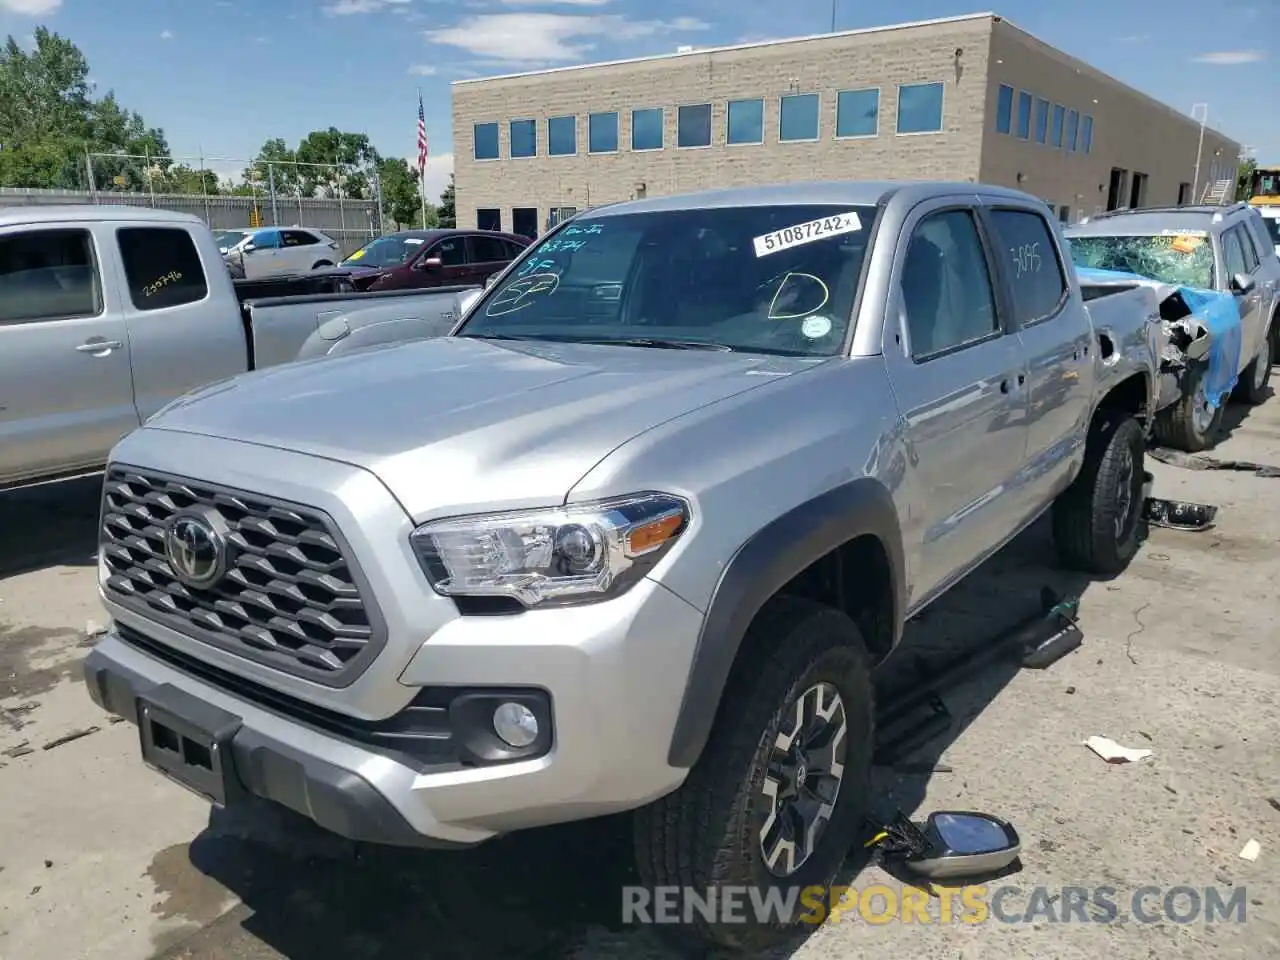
(108, 313)
(632, 536)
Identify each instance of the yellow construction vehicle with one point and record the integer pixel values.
(1264, 187)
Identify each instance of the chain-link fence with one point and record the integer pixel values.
(340, 201)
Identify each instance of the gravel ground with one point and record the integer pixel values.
(101, 858)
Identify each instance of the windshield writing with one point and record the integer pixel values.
(770, 279)
(1185, 260)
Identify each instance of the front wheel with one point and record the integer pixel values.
(1253, 382)
(1190, 424)
(779, 794)
(1096, 519)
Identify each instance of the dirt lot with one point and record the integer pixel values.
(100, 858)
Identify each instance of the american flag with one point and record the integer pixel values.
(422, 138)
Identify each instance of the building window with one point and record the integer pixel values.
(1086, 133)
(646, 129)
(1024, 115)
(858, 113)
(798, 117)
(1004, 109)
(1059, 117)
(693, 125)
(524, 221)
(486, 141)
(524, 138)
(488, 219)
(1042, 121)
(602, 133)
(920, 108)
(744, 121)
(562, 136)
(1073, 127)
(1184, 193)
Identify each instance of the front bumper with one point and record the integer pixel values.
(608, 678)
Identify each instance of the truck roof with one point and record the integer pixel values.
(79, 212)
(1152, 220)
(856, 192)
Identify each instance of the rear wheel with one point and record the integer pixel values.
(1191, 424)
(1095, 520)
(779, 794)
(1253, 382)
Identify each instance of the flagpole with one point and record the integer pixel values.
(422, 174)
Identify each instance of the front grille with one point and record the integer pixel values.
(288, 598)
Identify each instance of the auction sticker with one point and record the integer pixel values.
(815, 328)
(1184, 233)
(802, 233)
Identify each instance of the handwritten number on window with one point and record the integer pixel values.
(151, 289)
(1026, 259)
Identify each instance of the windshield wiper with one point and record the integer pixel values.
(641, 342)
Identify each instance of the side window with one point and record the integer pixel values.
(513, 249)
(946, 285)
(298, 238)
(162, 267)
(1035, 275)
(48, 275)
(267, 239)
(487, 249)
(1250, 251)
(1233, 253)
(450, 252)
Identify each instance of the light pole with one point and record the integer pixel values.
(833, 16)
(1204, 118)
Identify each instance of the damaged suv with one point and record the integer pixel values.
(633, 535)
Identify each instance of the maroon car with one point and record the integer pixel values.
(431, 258)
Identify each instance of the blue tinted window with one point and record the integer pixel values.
(693, 125)
(1073, 125)
(646, 129)
(1059, 115)
(602, 133)
(1086, 134)
(562, 136)
(1024, 115)
(486, 141)
(798, 117)
(857, 113)
(1042, 121)
(746, 121)
(920, 108)
(1004, 109)
(524, 138)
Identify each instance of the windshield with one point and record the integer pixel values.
(768, 279)
(1183, 259)
(385, 252)
(228, 238)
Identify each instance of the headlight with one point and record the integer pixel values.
(574, 554)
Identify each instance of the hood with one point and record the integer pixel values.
(453, 425)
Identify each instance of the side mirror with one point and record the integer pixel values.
(432, 263)
(964, 845)
(490, 280)
(1242, 283)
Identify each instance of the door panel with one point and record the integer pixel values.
(66, 391)
(1240, 252)
(454, 267)
(959, 381)
(487, 255)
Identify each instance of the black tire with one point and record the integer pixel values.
(321, 263)
(1252, 388)
(708, 832)
(1176, 426)
(1094, 528)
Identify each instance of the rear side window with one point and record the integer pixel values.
(1233, 253)
(488, 250)
(450, 252)
(946, 285)
(162, 267)
(299, 238)
(513, 249)
(1036, 281)
(48, 275)
(1250, 251)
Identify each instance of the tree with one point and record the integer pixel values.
(348, 158)
(275, 164)
(181, 178)
(447, 215)
(1244, 178)
(49, 121)
(401, 197)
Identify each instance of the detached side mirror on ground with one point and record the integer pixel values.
(1242, 283)
(963, 845)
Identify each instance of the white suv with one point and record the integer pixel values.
(276, 251)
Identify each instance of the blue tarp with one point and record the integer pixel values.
(1220, 316)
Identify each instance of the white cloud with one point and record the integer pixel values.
(548, 3)
(345, 8)
(31, 8)
(1229, 58)
(549, 37)
(422, 70)
(166, 34)
(437, 176)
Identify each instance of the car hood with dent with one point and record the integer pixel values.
(453, 424)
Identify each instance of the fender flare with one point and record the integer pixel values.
(767, 561)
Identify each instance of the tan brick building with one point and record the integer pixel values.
(966, 98)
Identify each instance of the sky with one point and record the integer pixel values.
(222, 76)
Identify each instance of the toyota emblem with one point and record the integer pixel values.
(195, 546)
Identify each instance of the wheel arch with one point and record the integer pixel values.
(843, 547)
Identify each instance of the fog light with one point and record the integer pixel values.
(515, 724)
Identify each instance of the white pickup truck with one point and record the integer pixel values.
(108, 313)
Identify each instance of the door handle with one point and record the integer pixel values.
(99, 346)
